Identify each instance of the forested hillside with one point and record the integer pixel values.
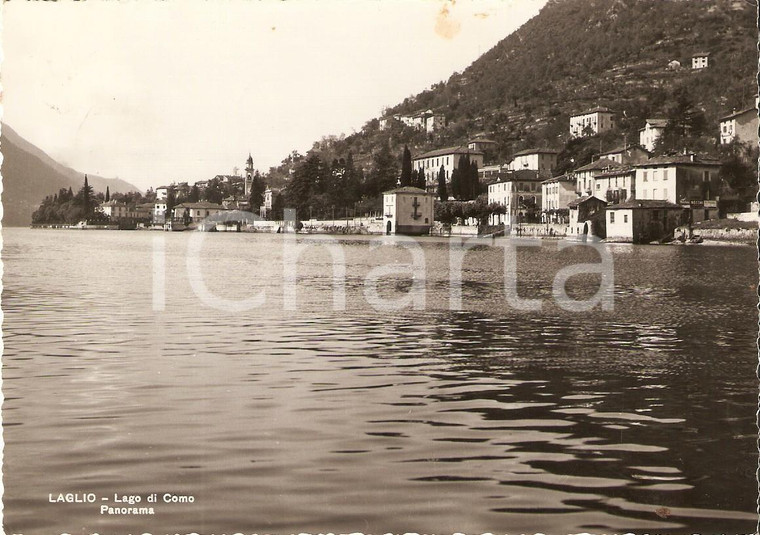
(574, 55)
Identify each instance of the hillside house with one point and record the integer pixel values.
(431, 162)
(584, 177)
(739, 126)
(643, 221)
(592, 122)
(407, 211)
(542, 160)
(519, 192)
(700, 60)
(556, 193)
(674, 65)
(481, 144)
(651, 132)
(626, 154)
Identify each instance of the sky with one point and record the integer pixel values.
(154, 92)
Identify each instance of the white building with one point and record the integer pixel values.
(448, 158)
(616, 185)
(556, 193)
(162, 193)
(678, 179)
(625, 154)
(114, 209)
(740, 126)
(408, 211)
(700, 60)
(594, 121)
(159, 212)
(585, 184)
(519, 192)
(481, 144)
(651, 132)
(542, 160)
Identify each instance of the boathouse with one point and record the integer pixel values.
(407, 210)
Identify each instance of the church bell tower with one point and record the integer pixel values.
(248, 176)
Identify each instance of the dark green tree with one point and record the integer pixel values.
(108, 195)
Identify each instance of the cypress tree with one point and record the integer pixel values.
(108, 194)
(406, 167)
(442, 192)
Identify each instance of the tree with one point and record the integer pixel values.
(194, 195)
(108, 195)
(256, 196)
(443, 195)
(85, 198)
(406, 167)
(384, 172)
(277, 207)
(419, 179)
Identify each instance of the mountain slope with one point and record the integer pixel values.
(575, 55)
(29, 175)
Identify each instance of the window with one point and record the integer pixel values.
(665, 174)
(625, 218)
(656, 215)
(654, 193)
(644, 176)
(598, 187)
(654, 175)
(706, 176)
(612, 217)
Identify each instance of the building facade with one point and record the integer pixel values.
(585, 184)
(643, 221)
(556, 193)
(407, 211)
(651, 132)
(700, 60)
(616, 185)
(431, 162)
(677, 179)
(626, 154)
(542, 160)
(739, 126)
(520, 193)
(591, 122)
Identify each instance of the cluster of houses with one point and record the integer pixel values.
(624, 194)
(190, 213)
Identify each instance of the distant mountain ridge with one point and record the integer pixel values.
(29, 175)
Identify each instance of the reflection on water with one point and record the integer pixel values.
(482, 419)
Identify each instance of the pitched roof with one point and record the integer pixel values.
(699, 54)
(561, 178)
(644, 203)
(601, 164)
(657, 123)
(198, 205)
(738, 113)
(623, 148)
(598, 109)
(678, 159)
(624, 170)
(446, 152)
(581, 200)
(523, 175)
(406, 189)
(536, 151)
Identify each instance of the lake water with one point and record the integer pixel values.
(481, 419)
